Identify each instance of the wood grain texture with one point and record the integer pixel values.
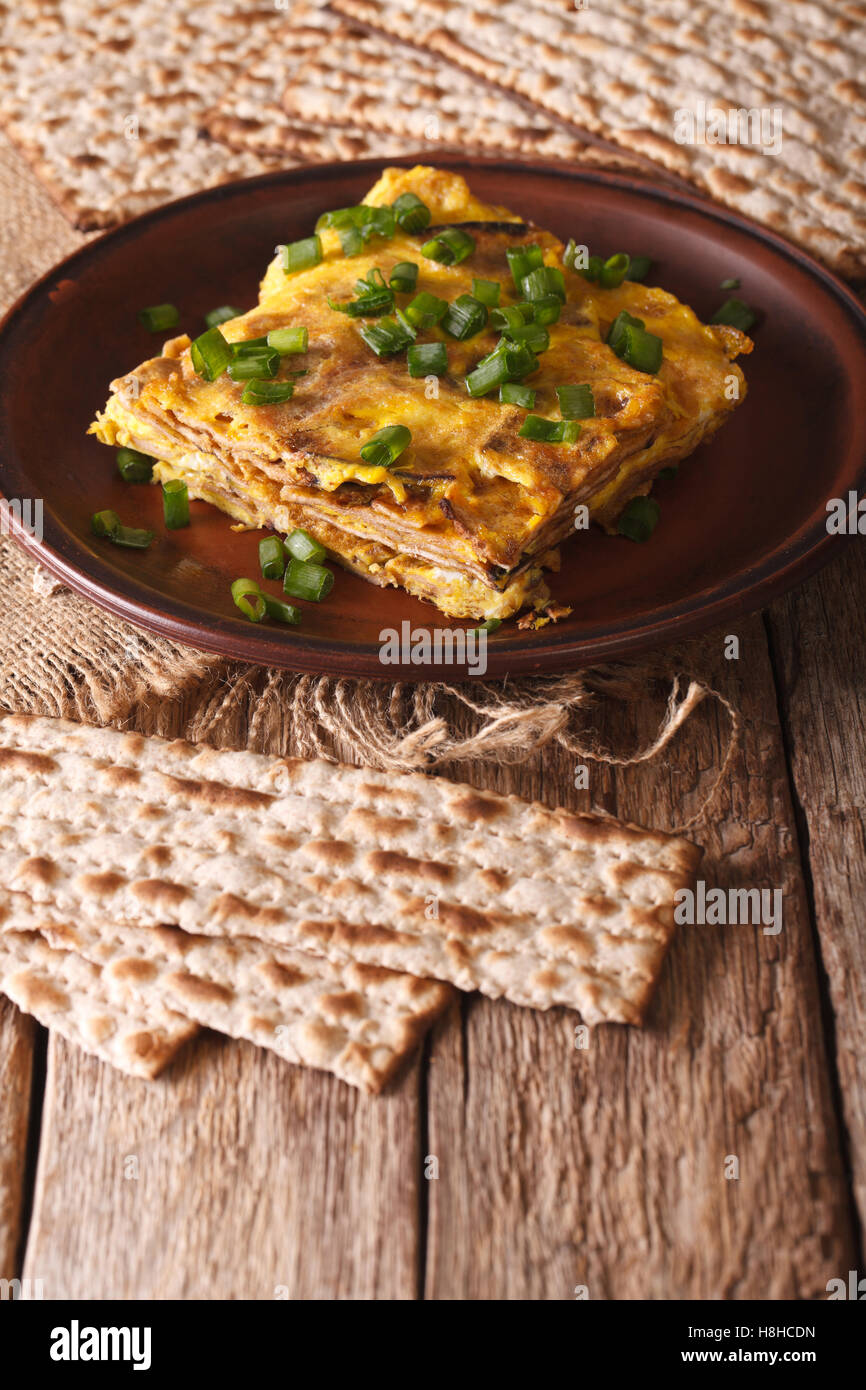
(17, 1035)
(605, 1167)
(818, 639)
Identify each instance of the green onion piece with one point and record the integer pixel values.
(508, 362)
(547, 309)
(425, 310)
(134, 467)
(386, 445)
(534, 335)
(594, 267)
(267, 392)
(175, 504)
(512, 393)
(614, 271)
(549, 431)
(288, 340)
(638, 268)
(427, 359)
(639, 519)
(104, 523)
(511, 317)
(282, 611)
(569, 255)
(731, 284)
(670, 472)
(364, 218)
(221, 315)
(489, 625)
(301, 255)
(641, 350)
(306, 580)
(576, 402)
(546, 280)
(373, 297)
(210, 354)
(272, 557)
(263, 363)
(449, 247)
(159, 317)
(523, 259)
(107, 524)
(411, 213)
(248, 346)
(465, 317)
(302, 546)
(387, 336)
(736, 313)
(404, 277)
(616, 333)
(351, 241)
(487, 291)
(249, 599)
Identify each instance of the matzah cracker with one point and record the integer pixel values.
(70, 994)
(414, 873)
(358, 1021)
(624, 68)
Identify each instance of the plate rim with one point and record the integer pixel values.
(758, 585)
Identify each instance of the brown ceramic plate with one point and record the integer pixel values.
(744, 520)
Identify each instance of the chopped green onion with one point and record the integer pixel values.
(267, 392)
(670, 472)
(248, 346)
(288, 340)
(387, 336)
(523, 259)
(351, 241)
(731, 284)
(302, 546)
(364, 218)
(640, 349)
(638, 268)
(210, 354)
(614, 271)
(569, 255)
(449, 247)
(593, 268)
(175, 504)
(549, 431)
(263, 363)
(107, 524)
(736, 313)
(547, 309)
(534, 335)
(616, 333)
(489, 625)
(508, 362)
(404, 277)
(303, 579)
(427, 359)
(511, 317)
(411, 213)
(221, 315)
(487, 291)
(159, 317)
(546, 280)
(134, 467)
(249, 599)
(639, 519)
(425, 310)
(272, 557)
(386, 445)
(576, 402)
(301, 255)
(465, 317)
(282, 611)
(374, 297)
(512, 393)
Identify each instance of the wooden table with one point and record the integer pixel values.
(558, 1168)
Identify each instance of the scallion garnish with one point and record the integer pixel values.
(639, 519)
(547, 309)
(175, 503)
(221, 315)
(638, 268)
(301, 255)
(576, 402)
(385, 447)
(425, 310)
(629, 340)
(549, 431)
(363, 218)
(731, 284)
(303, 579)
(411, 213)
(593, 268)
(487, 291)
(534, 335)
(387, 336)
(511, 317)
(107, 524)
(134, 467)
(512, 393)
(614, 271)
(260, 392)
(616, 332)
(288, 340)
(272, 557)
(210, 354)
(263, 363)
(427, 359)
(523, 259)
(489, 625)
(544, 281)
(282, 611)
(736, 313)
(403, 278)
(373, 297)
(249, 599)
(507, 362)
(159, 317)
(302, 546)
(465, 317)
(248, 347)
(351, 241)
(449, 247)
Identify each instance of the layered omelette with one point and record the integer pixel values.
(470, 511)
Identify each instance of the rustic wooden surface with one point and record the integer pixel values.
(510, 1163)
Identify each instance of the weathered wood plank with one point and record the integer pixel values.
(818, 635)
(605, 1167)
(17, 1034)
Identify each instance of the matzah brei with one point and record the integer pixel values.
(543, 907)
(70, 994)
